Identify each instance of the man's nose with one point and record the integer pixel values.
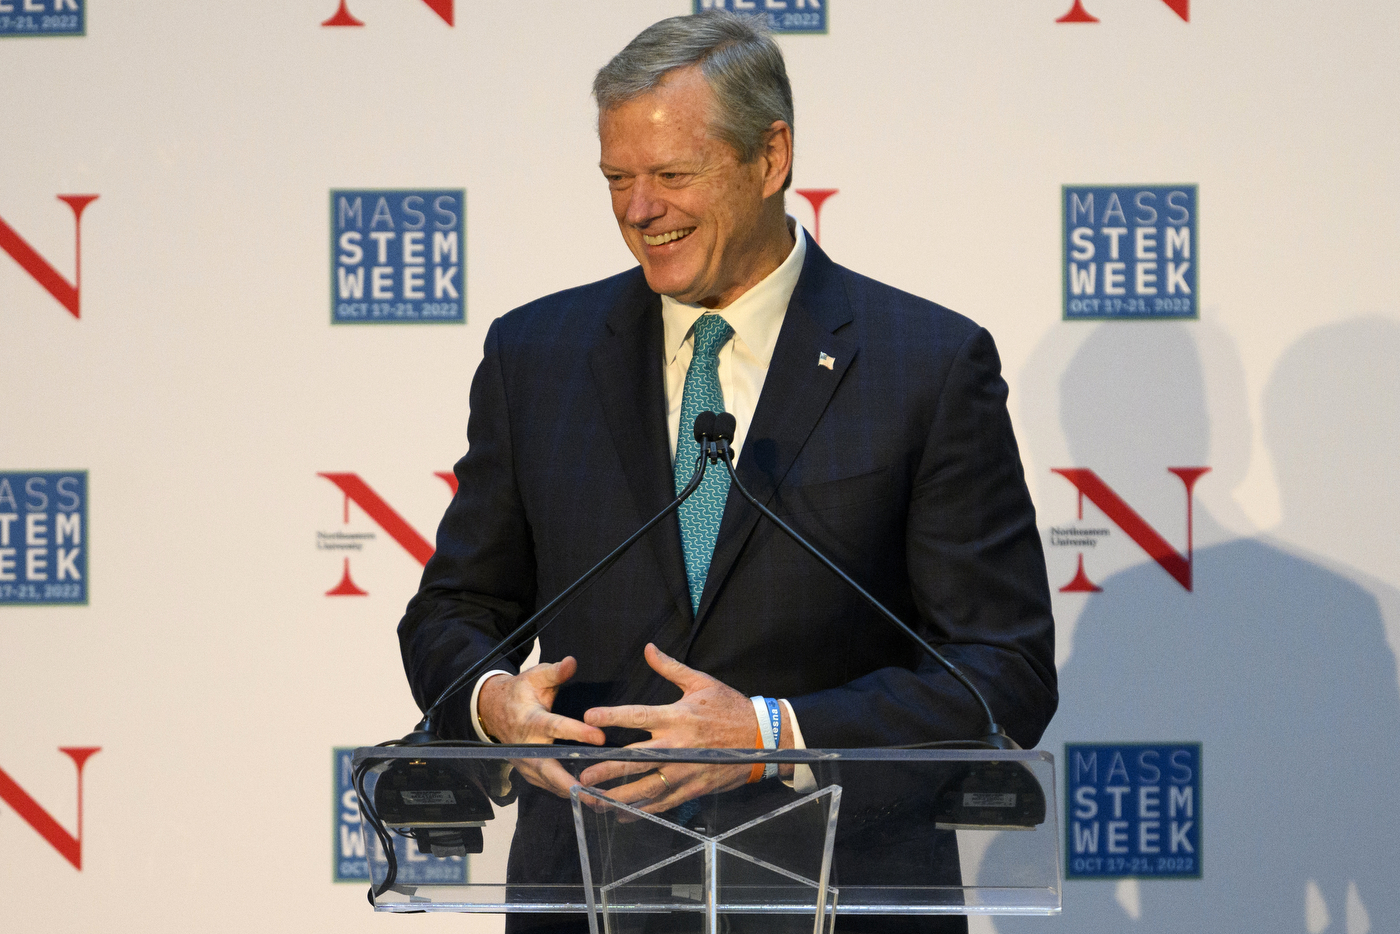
(643, 203)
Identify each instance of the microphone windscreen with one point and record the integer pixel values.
(724, 427)
(704, 426)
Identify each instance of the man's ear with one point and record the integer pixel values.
(777, 156)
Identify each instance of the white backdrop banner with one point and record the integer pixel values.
(248, 256)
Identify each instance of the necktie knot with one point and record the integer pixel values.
(711, 333)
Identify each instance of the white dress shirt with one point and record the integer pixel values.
(756, 317)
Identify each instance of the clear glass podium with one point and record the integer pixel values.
(855, 832)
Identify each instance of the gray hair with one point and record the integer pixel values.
(738, 57)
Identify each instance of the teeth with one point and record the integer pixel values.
(667, 237)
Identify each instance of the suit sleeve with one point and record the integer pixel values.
(976, 573)
(480, 583)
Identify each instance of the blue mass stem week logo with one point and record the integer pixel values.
(42, 18)
(1133, 810)
(785, 16)
(398, 256)
(43, 532)
(1130, 252)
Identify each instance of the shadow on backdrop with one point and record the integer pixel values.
(1276, 663)
(1332, 421)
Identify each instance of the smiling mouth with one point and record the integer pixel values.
(667, 237)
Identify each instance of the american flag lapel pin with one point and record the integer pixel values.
(827, 361)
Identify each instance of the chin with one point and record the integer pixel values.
(674, 286)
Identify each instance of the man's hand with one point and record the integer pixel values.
(519, 709)
(709, 714)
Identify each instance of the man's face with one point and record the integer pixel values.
(688, 209)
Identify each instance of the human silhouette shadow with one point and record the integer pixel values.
(1277, 664)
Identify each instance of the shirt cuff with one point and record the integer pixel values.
(476, 717)
(802, 781)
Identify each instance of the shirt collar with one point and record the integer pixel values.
(756, 316)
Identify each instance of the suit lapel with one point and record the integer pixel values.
(795, 394)
(627, 370)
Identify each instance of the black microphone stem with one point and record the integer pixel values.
(424, 731)
(720, 450)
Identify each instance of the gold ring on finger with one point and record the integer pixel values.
(662, 776)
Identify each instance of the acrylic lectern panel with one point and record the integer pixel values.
(865, 831)
(691, 872)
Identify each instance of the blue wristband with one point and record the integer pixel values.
(773, 735)
(775, 716)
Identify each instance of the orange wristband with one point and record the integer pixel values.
(756, 773)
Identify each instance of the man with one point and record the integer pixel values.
(874, 421)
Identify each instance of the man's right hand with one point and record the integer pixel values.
(518, 709)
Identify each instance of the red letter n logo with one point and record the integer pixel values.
(386, 517)
(69, 846)
(1113, 506)
(343, 17)
(1077, 13)
(39, 269)
(817, 197)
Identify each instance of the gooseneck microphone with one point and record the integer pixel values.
(395, 803)
(424, 732)
(715, 447)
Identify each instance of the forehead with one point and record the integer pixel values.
(670, 121)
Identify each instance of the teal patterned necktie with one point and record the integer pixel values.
(700, 515)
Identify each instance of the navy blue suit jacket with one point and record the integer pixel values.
(898, 462)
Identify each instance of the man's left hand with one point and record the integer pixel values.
(710, 714)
